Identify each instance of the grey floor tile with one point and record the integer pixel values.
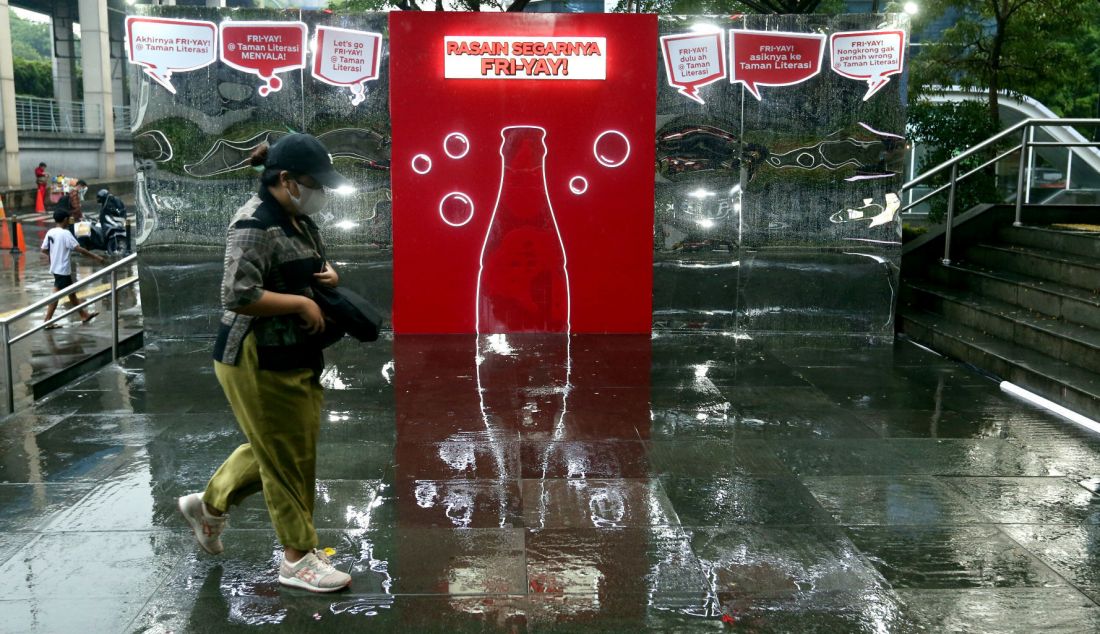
(67, 565)
(706, 458)
(1073, 551)
(885, 500)
(49, 615)
(1002, 610)
(1030, 500)
(966, 456)
(31, 507)
(286, 610)
(868, 457)
(940, 557)
(742, 500)
(782, 562)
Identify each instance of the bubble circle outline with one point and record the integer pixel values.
(577, 191)
(462, 196)
(456, 135)
(427, 158)
(600, 159)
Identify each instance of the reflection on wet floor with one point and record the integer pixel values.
(592, 483)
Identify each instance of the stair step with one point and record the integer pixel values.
(1066, 269)
(1072, 343)
(1071, 303)
(1060, 241)
(1068, 385)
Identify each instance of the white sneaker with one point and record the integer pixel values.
(207, 528)
(314, 572)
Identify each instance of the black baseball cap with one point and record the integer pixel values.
(303, 154)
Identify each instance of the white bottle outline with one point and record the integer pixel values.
(553, 218)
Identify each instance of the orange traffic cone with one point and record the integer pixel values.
(20, 245)
(5, 237)
(40, 200)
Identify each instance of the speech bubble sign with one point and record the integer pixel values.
(693, 60)
(264, 49)
(774, 58)
(870, 56)
(163, 46)
(345, 57)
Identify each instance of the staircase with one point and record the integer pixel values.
(1022, 303)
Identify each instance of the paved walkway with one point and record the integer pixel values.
(25, 279)
(680, 483)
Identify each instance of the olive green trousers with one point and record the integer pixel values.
(280, 414)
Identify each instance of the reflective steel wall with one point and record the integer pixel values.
(757, 228)
(191, 151)
(760, 225)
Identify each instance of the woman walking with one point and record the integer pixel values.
(268, 360)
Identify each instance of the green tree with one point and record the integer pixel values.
(1020, 46)
(33, 78)
(945, 130)
(29, 40)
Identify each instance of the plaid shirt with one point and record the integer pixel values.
(264, 252)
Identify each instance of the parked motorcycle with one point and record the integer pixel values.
(109, 236)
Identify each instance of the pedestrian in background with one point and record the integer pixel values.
(267, 358)
(76, 198)
(59, 244)
(42, 179)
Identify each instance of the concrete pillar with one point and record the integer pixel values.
(9, 161)
(95, 57)
(119, 85)
(64, 53)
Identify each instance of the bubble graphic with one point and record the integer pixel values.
(456, 145)
(578, 185)
(611, 148)
(422, 164)
(456, 209)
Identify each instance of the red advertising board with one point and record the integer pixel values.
(774, 58)
(522, 172)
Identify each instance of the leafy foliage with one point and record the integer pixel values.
(29, 40)
(1031, 47)
(33, 78)
(30, 43)
(945, 130)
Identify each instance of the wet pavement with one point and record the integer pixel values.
(678, 483)
(25, 279)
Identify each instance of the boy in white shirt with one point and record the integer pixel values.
(59, 244)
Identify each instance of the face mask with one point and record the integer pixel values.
(309, 201)
(83, 190)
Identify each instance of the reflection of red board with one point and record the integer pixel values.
(570, 244)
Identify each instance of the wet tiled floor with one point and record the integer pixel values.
(678, 483)
(25, 279)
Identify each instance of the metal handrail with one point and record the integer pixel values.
(36, 114)
(5, 322)
(1025, 147)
